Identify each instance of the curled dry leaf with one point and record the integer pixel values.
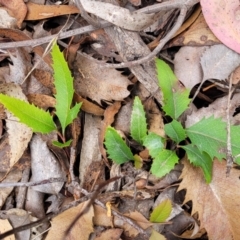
(217, 203)
(99, 83)
(16, 9)
(222, 16)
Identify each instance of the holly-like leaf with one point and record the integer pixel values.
(63, 82)
(210, 136)
(117, 149)
(200, 159)
(32, 116)
(161, 212)
(154, 143)
(163, 163)
(176, 97)
(175, 131)
(138, 126)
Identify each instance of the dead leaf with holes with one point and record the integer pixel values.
(99, 83)
(217, 203)
(223, 19)
(16, 8)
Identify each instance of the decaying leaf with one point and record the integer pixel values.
(216, 203)
(81, 230)
(16, 8)
(223, 19)
(218, 62)
(100, 83)
(187, 65)
(44, 166)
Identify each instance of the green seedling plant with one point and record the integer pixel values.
(40, 120)
(202, 142)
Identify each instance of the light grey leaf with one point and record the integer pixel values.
(218, 62)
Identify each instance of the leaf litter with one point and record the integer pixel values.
(120, 209)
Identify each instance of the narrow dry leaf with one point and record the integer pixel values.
(100, 83)
(122, 17)
(38, 12)
(187, 65)
(44, 165)
(13, 176)
(81, 230)
(90, 152)
(16, 9)
(216, 203)
(4, 227)
(218, 62)
(41, 100)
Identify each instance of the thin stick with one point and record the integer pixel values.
(30, 184)
(229, 156)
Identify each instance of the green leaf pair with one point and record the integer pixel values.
(38, 119)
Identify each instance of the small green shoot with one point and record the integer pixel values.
(40, 120)
(208, 137)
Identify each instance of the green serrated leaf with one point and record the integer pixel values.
(176, 97)
(161, 212)
(62, 145)
(164, 162)
(138, 126)
(175, 131)
(32, 116)
(63, 82)
(154, 143)
(200, 159)
(210, 136)
(117, 149)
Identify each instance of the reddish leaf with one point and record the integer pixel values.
(223, 19)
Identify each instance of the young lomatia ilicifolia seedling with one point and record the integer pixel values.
(205, 140)
(38, 119)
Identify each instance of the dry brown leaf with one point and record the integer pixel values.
(17, 35)
(88, 106)
(198, 34)
(16, 9)
(41, 100)
(99, 83)
(81, 230)
(139, 219)
(218, 62)
(187, 65)
(100, 217)
(37, 11)
(4, 227)
(113, 234)
(217, 203)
